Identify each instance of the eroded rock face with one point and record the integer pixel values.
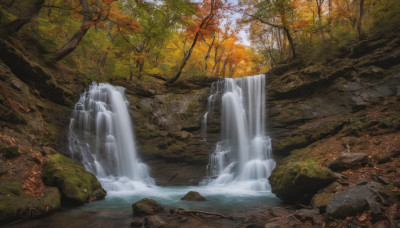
(308, 103)
(167, 128)
(356, 199)
(146, 207)
(299, 181)
(76, 185)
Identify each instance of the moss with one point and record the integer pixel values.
(291, 142)
(13, 186)
(294, 181)
(16, 204)
(384, 122)
(298, 141)
(176, 148)
(354, 127)
(74, 182)
(321, 200)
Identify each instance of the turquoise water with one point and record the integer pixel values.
(116, 209)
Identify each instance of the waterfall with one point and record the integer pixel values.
(243, 157)
(101, 137)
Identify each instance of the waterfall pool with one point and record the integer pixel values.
(116, 211)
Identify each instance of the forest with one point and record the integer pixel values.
(143, 40)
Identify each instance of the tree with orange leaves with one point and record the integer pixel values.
(208, 16)
(93, 12)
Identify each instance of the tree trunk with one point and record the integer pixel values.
(130, 72)
(34, 9)
(291, 42)
(185, 59)
(360, 20)
(208, 52)
(102, 64)
(74, 41)
(224, 67)
(215, 60)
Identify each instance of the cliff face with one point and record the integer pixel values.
(167, 125)
(311, 103)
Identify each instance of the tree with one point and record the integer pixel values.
(208, 19)
(275, 13)
(33, 9)
(94, 12)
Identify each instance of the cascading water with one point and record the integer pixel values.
(243, 158)
(101, 136)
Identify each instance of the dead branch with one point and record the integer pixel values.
(201, 212)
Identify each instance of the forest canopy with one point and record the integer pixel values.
(171, 39)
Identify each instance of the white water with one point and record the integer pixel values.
(243, 158)
(101, 137)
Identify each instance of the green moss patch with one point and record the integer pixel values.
(76, 185)
(299, 181)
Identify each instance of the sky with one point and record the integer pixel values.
(243, 35)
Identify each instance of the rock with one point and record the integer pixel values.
(380, 179)
(279, 212)
(146, 207)
(349, 161)
(76, 185)
(10, 152)
(305, 214)
(153, 221)
(355, 199)
(321, 200)
(334, 187)
(299, 181)
(16, 204)
(193, 196)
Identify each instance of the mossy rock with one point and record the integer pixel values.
(16, 204)
(146, 207)
(76, 185)
(299, 181)
(321, 200)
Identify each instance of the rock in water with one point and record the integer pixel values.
(76, 185)
(146, 207)
(153, 221)
(299, 181)
(355, 200)
(193, 196)
(349, 161)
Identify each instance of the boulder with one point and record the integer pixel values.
(146, 207)
(76, 185)
(349, 161)
(320, 200)
(153, 221)
(193, 196)
(16, 204)
(299, 181)
(356, 199)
